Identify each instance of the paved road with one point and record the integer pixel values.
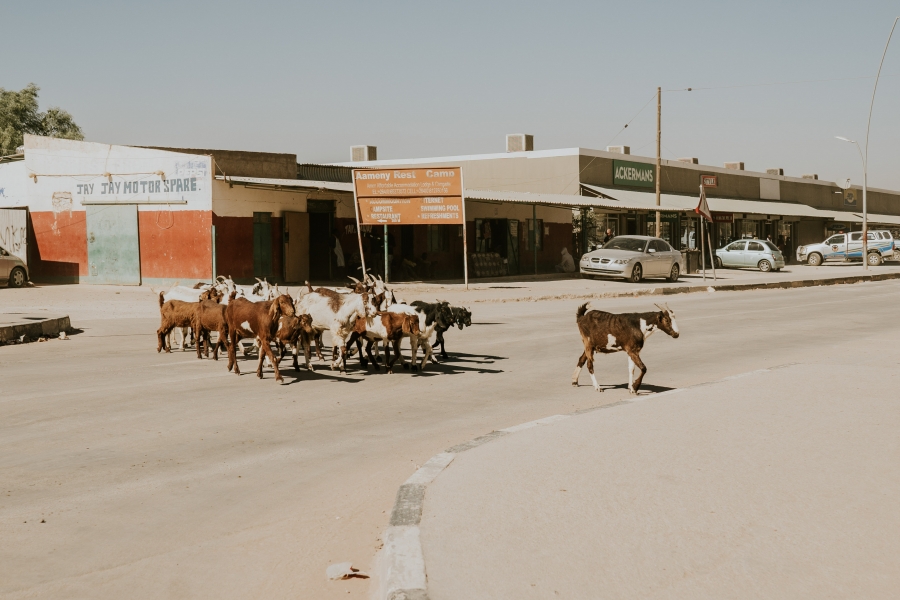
(161, 476)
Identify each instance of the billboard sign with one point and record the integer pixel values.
(431, 196)
(709, 181)
(630, 173)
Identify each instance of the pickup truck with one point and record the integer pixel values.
(848, 246)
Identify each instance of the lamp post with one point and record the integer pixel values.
(865, 180)
(865, 228)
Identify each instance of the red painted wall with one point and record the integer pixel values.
(175, 244)
(58, 246)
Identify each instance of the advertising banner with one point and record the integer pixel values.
(409, 196)
(634, 174)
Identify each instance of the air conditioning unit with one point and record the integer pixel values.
(775, 171)
(810, 176)
(519, 142)
(737, 166)
(619, 149)
(363, 153)
(691, 160)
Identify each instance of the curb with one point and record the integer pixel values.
(712, 287)
(401, 568)
(34, 330)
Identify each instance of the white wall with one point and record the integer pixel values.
(69, 172)
(242, 201)
(12, 185)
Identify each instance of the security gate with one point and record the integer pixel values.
(113, 249)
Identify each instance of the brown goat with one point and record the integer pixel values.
(172, 314)
(209, 316)
(297, 331)
(260, 320)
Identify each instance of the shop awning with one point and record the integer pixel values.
(856, 217)
(647, 201)
(300, 184)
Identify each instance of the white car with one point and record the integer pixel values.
(13, 271)
(633, 257)
(848, 246)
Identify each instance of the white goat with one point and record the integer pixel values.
(336, 313)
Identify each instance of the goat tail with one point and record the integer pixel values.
(581, 310)
(161, 299)
(309, 287)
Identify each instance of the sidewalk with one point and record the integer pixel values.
(708, 492)
(86, 302)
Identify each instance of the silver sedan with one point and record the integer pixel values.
(633, 257)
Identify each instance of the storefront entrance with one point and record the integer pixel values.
(321, 242)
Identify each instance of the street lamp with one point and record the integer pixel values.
(865, 179)
(865, 227)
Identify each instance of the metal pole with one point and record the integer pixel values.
(462, 199)
(712, 258)
(534, 234)
(865, 230)
(386, 259)
(658, 156)
(702, 249)
(362, 255)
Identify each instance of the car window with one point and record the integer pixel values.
(626, 243)
(870, 237)
(771, 246)
(659, 245)
(755, 247)
(736, 246)
(835, 239)
(856, 237)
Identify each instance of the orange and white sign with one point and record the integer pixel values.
(430, 196)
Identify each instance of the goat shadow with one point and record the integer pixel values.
(646, 388)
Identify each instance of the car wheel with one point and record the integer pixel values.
(764, 266)
(814, 260)
(637, 273)
(17, 277)
(719, 264)
(874, 259)
(674, 273)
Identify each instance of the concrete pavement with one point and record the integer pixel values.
(161, 476)
(780, 484)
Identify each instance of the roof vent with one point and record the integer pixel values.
(619, 149)
(810, 176)
(691, 160)
(519, 142)
(737, 166)
(775, 171)
(363, 153)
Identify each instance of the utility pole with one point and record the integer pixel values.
(658, 157)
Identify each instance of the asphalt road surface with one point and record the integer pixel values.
(127, 473)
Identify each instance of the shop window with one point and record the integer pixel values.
(665, 229)
(437, 238)
(724, 233)
(535, 236)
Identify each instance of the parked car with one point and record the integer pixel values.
(13, 271)
(759, 254)
(848, 246)
(633, 257)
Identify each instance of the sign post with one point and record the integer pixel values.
(432, 196)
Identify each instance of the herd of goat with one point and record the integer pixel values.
(366, 313)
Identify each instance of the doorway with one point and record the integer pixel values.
(262, 244)
(296, 247)
(320, 254)
(114, 255)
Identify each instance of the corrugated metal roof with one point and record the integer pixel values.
(561, 200)
(334, 186)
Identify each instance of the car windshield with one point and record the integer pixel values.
(626, 243)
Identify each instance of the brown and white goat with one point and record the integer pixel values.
(389, 327)
(297, 331)
(259, 320)
(608, 332)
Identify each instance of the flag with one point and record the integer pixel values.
(703, 208)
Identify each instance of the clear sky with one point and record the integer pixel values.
(444, 78)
